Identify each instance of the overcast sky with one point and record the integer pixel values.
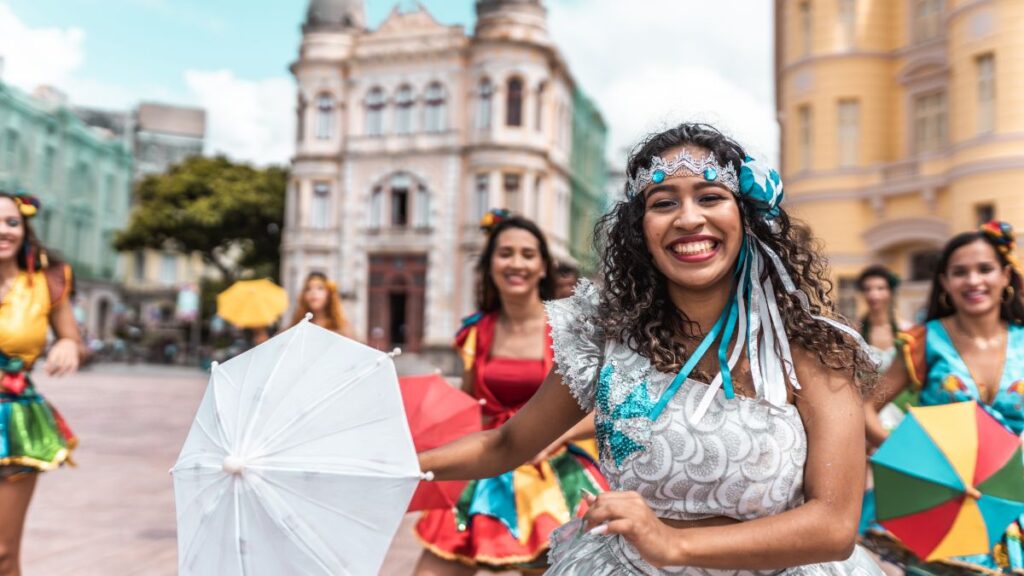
(671, 60)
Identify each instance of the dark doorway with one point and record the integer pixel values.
(397, 298)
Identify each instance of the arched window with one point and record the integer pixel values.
(485, 95)
(403, 110)
(538, 117)
(437, 109)
(375, 112)
(514, 102)
(324, 117)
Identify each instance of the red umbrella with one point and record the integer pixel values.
(438, 413)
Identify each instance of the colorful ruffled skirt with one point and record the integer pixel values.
(505, 523)
(33, 435)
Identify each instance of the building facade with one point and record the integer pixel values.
(902, 125)
(160, 137)
(83, 177)
(407, 135)
(589, 178)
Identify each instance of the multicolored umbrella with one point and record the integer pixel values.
(949, 481)
(438, 413)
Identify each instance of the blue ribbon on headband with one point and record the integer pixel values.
(760, 183)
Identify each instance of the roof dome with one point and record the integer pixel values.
(336, 14)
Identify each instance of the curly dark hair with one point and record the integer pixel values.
(1011, 310)
(489, 299)
(635, 307)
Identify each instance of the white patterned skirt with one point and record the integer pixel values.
(574, 553)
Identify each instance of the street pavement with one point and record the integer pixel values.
(113, 514)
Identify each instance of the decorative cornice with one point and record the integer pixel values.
(852, 54)
(897, 231)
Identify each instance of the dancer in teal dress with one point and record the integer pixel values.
(971, 348)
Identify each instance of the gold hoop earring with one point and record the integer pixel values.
(944, 300)
(1012, 293)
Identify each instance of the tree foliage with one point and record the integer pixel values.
(230, 213)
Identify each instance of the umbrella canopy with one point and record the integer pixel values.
(438, 414)
(299, 461)
(949, 481)
(252, 303)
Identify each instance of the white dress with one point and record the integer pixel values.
(744, 459)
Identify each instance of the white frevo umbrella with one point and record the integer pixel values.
(299, 461)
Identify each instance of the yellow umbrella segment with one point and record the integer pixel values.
(252, 303)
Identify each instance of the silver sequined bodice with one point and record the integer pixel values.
(744, 459)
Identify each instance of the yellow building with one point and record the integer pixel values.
(902, 124)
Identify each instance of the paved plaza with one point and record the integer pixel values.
(114, 513)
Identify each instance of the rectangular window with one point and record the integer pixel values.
(927, 19)
(847, 24)
(512, 199)
(984, 213)
(10, 150)
(929, 122)
(422, 212)
(848, 292)
(986, 70)
(849, 132)
(482, 196)
(805, 136)
(376, 208)
(923, 265)
(399, 206)
(168, 269)
(47, 166)
(320, 208)
(805, 28)
(139, 264)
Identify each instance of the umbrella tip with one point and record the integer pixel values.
(214, 364)
(308, 316)
(483, 402)
(395, 352)
(427, 476)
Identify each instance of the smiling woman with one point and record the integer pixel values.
(724, 393)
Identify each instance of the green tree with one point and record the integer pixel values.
(230, 213)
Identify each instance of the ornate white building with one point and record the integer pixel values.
(407, 134)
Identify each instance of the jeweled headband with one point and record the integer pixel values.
(684, 162)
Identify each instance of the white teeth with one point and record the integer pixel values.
(690, 248)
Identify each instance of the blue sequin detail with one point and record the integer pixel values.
(636, 405)
(710, 173)
(658, 177)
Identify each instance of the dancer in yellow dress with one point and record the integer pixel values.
(33, 299)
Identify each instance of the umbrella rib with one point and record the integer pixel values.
(318, 504)
(216, 404)
(209, 436)
(241, 389)
(188, 555)
(319, 404)
(354, 471)
(273, 451)
(288, 531)
(263, 391)
(238, 528)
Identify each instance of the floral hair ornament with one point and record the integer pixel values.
(493, 217)
(762, 185)
(1002, 234)
(28, 205)
(684, 163)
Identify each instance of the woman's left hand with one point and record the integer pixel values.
(627, 513)
(63, 357)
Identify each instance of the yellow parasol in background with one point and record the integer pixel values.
(252, 303)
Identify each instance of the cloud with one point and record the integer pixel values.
(252, 120)
(34, 56)
(671, 61)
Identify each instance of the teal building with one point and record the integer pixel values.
(589, 178)
(83, 176)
